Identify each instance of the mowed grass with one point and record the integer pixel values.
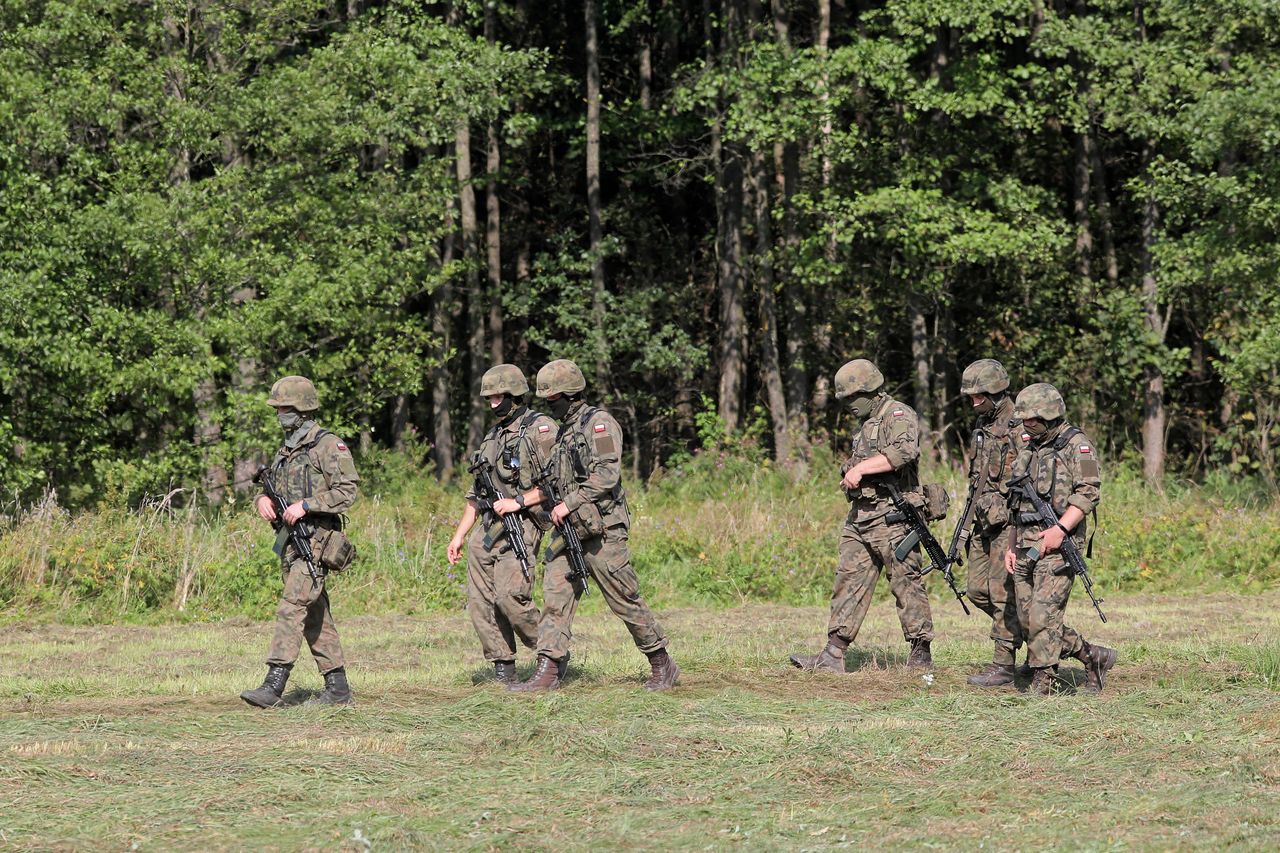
(113, 737)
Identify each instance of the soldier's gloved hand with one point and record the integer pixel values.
(504, 506)
(293, 512)
(1010, 560)
(559, 514)
(1050, 540)
(455, 550)
(266, 508)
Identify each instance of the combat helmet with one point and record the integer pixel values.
(503, 379)
(561, 376)
(1040, 400)
(984, 376)
(858, 377)
(295, 391)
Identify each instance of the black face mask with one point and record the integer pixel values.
(504, 408)
(559, 409)
(289, 421)
(1035, 430)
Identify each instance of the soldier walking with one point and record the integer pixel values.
(985, 531)
(587, 466)
(316, 476)
(499, 594)
(1062, 464)
(886, 450)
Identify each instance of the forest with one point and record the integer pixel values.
(709, 205)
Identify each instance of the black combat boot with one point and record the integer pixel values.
(1044, 681)
(995, 675)
(831, 658)
(336, 689)
(545, 677)
(664, 671)
(504, 672)
(1097, 660)
(268, 695)
(920, 656)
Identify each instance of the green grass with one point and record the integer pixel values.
(113, 736)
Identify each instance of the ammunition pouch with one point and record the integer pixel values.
(333, 550)
(992, 512)
(936, 501)
(587, 520)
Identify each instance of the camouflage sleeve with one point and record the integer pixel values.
(604, 469)
(1086, 480)
(900, 443)
(340, 476)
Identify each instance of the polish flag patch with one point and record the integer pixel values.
(897, 413)
(600, 427)
(1084, 448)
(1026, 436)
(341, 446)
(544, 428)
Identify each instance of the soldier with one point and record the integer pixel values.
(886, 450)
(985, 530)
(1063, 466)
(587, 465)
(316, 476)
(499, 596)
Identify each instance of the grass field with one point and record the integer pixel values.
(119, 737)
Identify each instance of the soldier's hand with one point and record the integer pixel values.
(504, 506)
(852, 478)
(1050, 540)
(266, 508)
(559, 514)
(293, 512)
(455, 550)
(1010, 560)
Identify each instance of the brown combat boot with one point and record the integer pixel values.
(1044, 681)
(920, 656)
(665, 672)
(545, 677)
(831, 658)
(1098, 660)
(995, 675)
(504, 672)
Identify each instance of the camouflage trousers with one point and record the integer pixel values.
(609, 564)
(990, 588)
(304, 614)
(499, 599)
(1041, 590)
(864, 550)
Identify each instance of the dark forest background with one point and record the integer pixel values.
(710, 205)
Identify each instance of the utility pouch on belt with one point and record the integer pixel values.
(587, 520)
(936, 501)
(333, 550)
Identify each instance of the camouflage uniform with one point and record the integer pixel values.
(313, 466)
(499, 598)
(594, 490)
(986, 533)
(1063, 466)
(873, 528)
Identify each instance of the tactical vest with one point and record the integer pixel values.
(575, 454)
(295, 475)
(514, 459)
(867, 443)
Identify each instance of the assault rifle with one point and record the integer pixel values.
(298, 535)
(921, 535)
(954, 555)
(553, 497)
(486, 495)
(1048, 518)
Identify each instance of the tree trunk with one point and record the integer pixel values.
(476, 307)
(1153, 410)
(493, 211)
(920, 361)
(770, 369)
(822, 328)
(729, 209)
(441, 328)
(593, 196)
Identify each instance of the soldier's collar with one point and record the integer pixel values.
(514, 415)
(574, 408)
(885, 402)
(299, 435)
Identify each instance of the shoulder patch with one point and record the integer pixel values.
(544, 428)
(600, 427)
(1084, 448)
(1026, 436)
(897, 413)
(341, 445)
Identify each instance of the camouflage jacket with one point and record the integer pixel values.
(588, 464)
(994, 449)
(518, 447)
(1063, 465)
(893, 430)
(315, 466)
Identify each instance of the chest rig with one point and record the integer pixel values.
(574, 454)
(1048, 490)
(295, 473)
(511, 454)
